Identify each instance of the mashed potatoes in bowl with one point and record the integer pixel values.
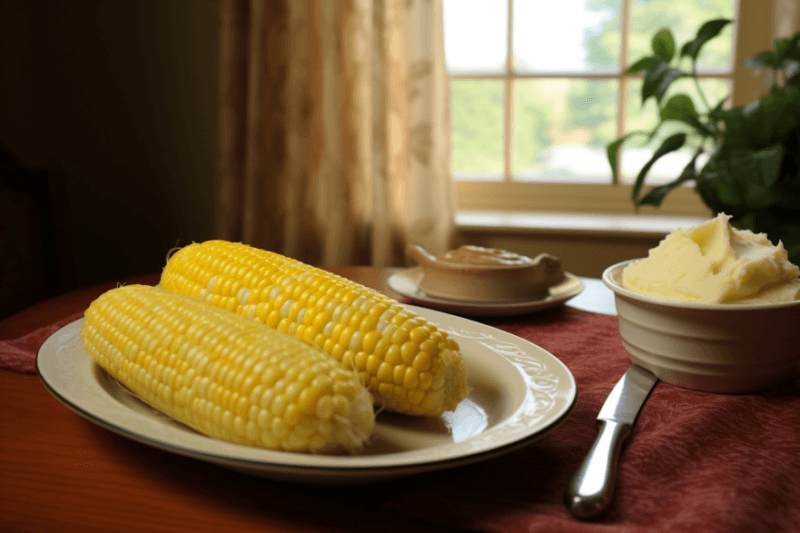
(711, 308)
(715, 263)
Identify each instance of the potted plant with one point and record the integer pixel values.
(753, 167)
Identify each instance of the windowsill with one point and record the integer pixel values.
(585, 224)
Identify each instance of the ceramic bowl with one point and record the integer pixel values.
(523, 279)
(729, 348)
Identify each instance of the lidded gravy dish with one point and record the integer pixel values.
(477, 274)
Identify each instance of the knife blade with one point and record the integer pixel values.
(590, 491)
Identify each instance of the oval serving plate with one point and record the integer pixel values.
(518, 393)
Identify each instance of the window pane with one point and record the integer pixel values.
(475, 35)
(561, 128)
(565, 36)
(683, 18)
(636, 151)
(477, 115)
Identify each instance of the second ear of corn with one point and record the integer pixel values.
(409, 364)
(224, 375)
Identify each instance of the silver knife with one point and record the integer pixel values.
(590, 490)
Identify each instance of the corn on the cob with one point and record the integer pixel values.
(409, 364)
(226, 376)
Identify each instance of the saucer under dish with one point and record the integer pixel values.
(406, 283)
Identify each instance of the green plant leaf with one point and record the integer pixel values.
(790, 55)
(743, 180)
(761, 168)
(754, 170)
(756, 173)
(791, 66)
(787, 111)
(666, 80)
(759, 197)
(736, 128)
(664, 45)
(788, 49)
(784, 55)
(714, 113)
(670, 144)
(656, 195)
(652, 78)
(727, 191)
(681, 108)
(706, 189)
(657, 81)
(769, 163)
(707, 31)
(645, 63)
(782, 48)
(612, 152)
(678, 107)
(768, 60)
(773, 116)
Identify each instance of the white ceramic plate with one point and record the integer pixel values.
(519, 392)
(406, 282)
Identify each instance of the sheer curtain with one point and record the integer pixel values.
(334, 135)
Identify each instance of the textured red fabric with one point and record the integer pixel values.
(694, 462)
(19, 355)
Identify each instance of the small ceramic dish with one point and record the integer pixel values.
(476, 274)
(729, 348)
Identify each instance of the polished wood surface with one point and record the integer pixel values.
(59, 472)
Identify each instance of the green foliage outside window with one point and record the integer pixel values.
(602, 52)
(477, 105)
(477, 122)
(753, 167)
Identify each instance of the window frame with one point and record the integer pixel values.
(508, 195)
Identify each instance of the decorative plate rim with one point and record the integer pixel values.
(546, 395)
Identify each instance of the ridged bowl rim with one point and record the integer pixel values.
(613, 273)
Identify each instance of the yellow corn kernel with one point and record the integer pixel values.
(225, 375)
(349, 320)
(422, 361)
(410, 378)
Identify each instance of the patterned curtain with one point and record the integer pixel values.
(334, 129)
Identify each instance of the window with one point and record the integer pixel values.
(538, 90)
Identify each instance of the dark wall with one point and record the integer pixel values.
(116, 101)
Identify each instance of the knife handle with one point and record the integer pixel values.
(591, 488)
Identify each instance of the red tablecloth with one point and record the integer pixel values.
(694, 462)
